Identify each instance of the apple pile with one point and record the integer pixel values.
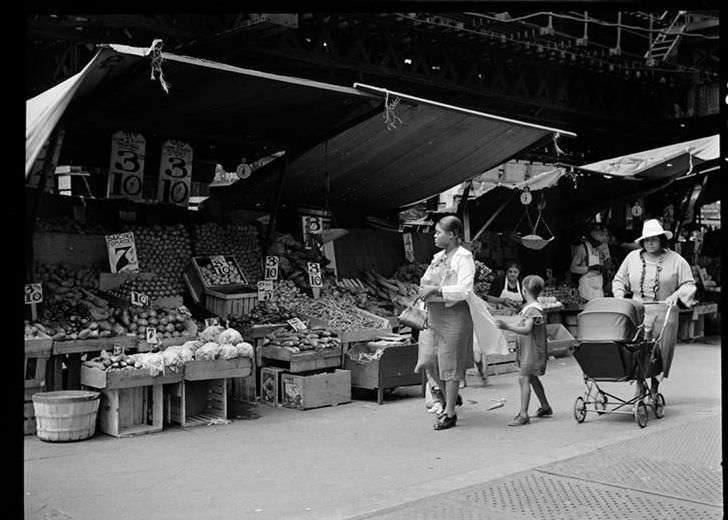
(164, 250)
(212, 277)
(156, 287)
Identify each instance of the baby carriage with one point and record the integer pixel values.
(612, 347)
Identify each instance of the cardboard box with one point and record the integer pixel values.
(316, 390)
(270, 385)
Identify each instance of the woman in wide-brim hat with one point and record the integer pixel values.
(655, 273)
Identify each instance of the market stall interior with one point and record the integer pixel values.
(169, 313)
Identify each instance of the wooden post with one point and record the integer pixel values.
(274, 214)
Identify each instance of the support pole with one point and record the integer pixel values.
(274, 214)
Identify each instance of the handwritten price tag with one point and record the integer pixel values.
(152, 336)
(140, 299)
(265, 290)
(220, 265)
(126, 167)
(314, 275)
(175, 173)
(271, 267)
(33, 293)
(297, 324)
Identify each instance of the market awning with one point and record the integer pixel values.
(208, 102)
(413, 150)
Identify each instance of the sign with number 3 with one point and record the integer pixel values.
(175, 173)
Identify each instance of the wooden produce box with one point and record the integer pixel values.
(80, 346)
(354, 335)
(228, 302)
(131, 411)
(203, 369)
(394, 368)
(197, 403)
(302, 361)
(270, 385)
(316, 390)
(113, 379)
(194, 273)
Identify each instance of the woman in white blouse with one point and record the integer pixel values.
(654, 273)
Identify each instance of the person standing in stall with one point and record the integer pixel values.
(506, 290)
(587, 263)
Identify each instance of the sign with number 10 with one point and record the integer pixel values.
(314, 275)
(126, 168)
(175, 173)
(271, 267)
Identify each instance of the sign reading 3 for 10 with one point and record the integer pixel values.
(175, 173)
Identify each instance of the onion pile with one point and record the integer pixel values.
(211, 239)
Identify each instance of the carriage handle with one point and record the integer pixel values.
(670, 305)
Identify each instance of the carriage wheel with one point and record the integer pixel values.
(640, 413)
(658, 406)
(579, 409)
(600, 402)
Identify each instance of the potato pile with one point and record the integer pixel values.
(309, 339)
(35, 330)
(60, 278)
(241, 241)
(164, 250)
(69, 225)
(212, 277)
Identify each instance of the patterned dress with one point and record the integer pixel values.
(531, 352)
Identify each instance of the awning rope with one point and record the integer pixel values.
(391, 121)
(155, 52)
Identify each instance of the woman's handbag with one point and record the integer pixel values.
(413, 316)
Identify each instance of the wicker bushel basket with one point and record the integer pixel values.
(65, 415)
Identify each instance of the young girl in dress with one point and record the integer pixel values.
(531, 349)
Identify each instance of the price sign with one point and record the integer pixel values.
(297, 324)
(175, 173)
(212, 322)
(33, 293)
(119, 349)
(140, 299)
(122, 252)
(265, 290)
(271, 267)
(152, 336)
(126, 167)
(409, 247)
(220, 265)
(314, 274)
(311, 226)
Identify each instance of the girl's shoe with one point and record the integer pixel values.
(445, 422)
(438, 395)
(544, 412)
(459, 401)
(519, 420)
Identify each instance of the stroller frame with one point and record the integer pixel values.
(599, 400)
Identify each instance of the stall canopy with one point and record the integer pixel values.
(362, 147)
(572, 195)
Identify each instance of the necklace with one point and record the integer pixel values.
(656, 286)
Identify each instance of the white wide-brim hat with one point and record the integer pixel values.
(653, 228)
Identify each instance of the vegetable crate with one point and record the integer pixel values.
(131, 400)
(307, 360)
(204, 369)
(230, 302)
(355, 335)
(37, 355)
(394, 368)
(194, 274)
(196, 403)
(316, 390)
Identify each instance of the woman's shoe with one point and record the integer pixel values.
(519, 420)
(459, 401)
(445, 422)
(544, 412)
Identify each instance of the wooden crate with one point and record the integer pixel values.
(230, 302)
(270, 385)
(194, 272)
(114, 379)
(197, 403)
(203, 369)
(394, 368)
(305, 361)
(80, 346)
(354, 335)
(313, 391)
(691, 322)
(131, 411)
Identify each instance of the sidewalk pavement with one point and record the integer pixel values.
(386, 461)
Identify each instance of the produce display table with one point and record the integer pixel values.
(300, 361)
(131, 400)
(394, 368)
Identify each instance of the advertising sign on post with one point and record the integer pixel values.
(122, 252)
(126, 168)
(175, 173)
